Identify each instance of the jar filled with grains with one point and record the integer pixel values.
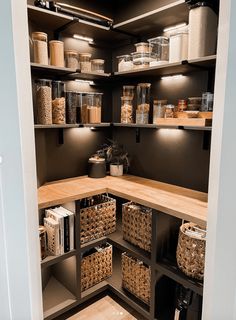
(126, 109)
(143, 103)
(40, 47)
(57, 53)
(159, 108)
(58, 103)
(72, 59)
(44, 101)
(71, 107)
(85, 62)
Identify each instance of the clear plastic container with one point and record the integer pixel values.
(143, 47)
(83, 107)
(57, 53)
(179, 46)
(40, 47)
(159, 108)
(97, 65)
(44, 101)
(58, 103)
(125, 63)
(71, 107)
(207, 102)
(85, 62)
(128, 91)
(170, 110)
(142, 60)
(143, 103)
(126, 109)
(90, 107)
(72, 59)
(160, 46)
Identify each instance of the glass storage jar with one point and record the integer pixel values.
(126, 109)
(58, 103)
(44, 101)
(143, 47)
(159, 108)
(40, 47)
(83, 107)
(143, 103)
(57, 53)
(170, 110)
(160, 46)
(207, 102)
(128, 91)
(85, 62)
(125, 63)
(97, 65)
(94, 105)
(71, 107)
(72, 59)
(142, 60)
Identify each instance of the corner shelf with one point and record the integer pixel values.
(171, 270)
(49, 70)
(51, 260)
(93, 291)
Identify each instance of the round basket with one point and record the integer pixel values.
(191, 252)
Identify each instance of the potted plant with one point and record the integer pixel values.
(118, 159)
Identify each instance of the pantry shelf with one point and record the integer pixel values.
(56, 126)
(93, 291)
(51, 260)
(207, 62)
(48, 70)
(90, 76)
(167, 126)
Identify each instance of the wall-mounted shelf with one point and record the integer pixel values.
(69, 126)
(51, 260)
(164, 126)
(48, 70)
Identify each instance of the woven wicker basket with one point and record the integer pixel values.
(96, 267)
(98, 220)
(191, 252)
(136, 278)
(137, 225)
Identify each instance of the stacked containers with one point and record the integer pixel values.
(143, 55)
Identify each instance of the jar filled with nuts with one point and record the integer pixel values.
(126, 109)
(143, 103)
(44, 101)
(58, 103)
(85, 62)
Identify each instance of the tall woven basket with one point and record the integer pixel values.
(191, 251)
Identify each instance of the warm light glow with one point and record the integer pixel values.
(171, 133)
(177, 26)
(91, 83)
(177, 76)
(79, 37)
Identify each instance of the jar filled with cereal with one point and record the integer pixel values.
(126, 109)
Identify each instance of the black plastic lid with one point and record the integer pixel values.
(196, 3)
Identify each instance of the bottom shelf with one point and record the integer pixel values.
(56, 298)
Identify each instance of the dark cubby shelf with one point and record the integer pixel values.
(93, 291)
(50, 260)
(171, 270)
(91, 244)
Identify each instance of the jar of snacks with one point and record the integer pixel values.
(58, 103)
(40, 47)
(143, 47)
(85, 62)
(72, 59)
(97, 65)
(143, 103)
(125, 63)
(44, 101)
(126, 109)
(57, 53)
(159, 108)
(170, 110)
(128, 91)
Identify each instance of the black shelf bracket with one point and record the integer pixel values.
(60, 136)
(58, 31)
(137, 132)
(206, 142)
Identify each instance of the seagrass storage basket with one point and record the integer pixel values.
(136, 277)
(137, 225)
(96, 266)
(97, 217)
(191, 250)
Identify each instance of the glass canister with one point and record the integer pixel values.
(71, 107)
(159, 108)
(128, 91)
(40, 47)
(143, 47)
(207, 101)
(57, 53)
(85, 62)
(83, 107)
(72, 59)
(43, 241)
(126, 109)
(170, 111)
(58, 103)
(44, 101)
(97, 65)
(125, 63)
(160, 46)
(143, 103)
(94, 105)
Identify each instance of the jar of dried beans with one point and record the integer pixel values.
(43, 99)
(58, 103)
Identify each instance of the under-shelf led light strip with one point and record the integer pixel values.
(79, 37)
(177, 26)
(174, 77)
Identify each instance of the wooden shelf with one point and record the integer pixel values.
(91, 244)
(50, 260)
(90, 76)
(182, 122)
(56, 299)
(171, 270)
(153, 22)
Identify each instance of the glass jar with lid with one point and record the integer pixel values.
(159, 108)
(126, 109)
(58, 102)
(97, 65)
(170, 111)
(143, 103)
(85, 62)
(71, 107)
(143, 47)
(128, 91)
(72, 59)
(57, 53)
(160, 46)
(125, 63)
(94, 102)
(40, 47)
(44, 101)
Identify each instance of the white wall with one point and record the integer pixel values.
(20, 288)
(220, 279)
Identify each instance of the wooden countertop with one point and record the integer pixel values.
(177, 201)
